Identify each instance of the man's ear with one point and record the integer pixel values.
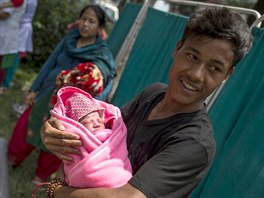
(178, 47)
(232, 69)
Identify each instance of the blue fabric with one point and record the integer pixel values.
(66, 56)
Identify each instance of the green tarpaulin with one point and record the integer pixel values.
(237, 115)
(238, 121)
(151, 54)
(122, 27)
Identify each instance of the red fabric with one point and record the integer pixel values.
(85, 76)
(47, 164)
(22, 55)
(19, 150)
(17, 3)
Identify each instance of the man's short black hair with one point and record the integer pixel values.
(221, 23)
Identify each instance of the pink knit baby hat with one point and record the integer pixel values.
(79, 105)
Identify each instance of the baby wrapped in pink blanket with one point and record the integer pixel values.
(104, 161)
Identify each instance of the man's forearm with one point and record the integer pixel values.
(68, 192)
(127, 191)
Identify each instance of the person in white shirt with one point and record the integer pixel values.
(26, 30)
(25, 41)
(9, 39)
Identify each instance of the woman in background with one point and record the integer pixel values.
(80, 45)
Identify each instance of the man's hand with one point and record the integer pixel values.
(59, 142)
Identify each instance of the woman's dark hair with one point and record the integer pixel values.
(221, 23)
(98, 11)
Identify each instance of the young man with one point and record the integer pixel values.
(170, 139)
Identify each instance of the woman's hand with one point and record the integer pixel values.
(29, 98)
(59, 142)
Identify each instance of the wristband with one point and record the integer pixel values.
(52, 186)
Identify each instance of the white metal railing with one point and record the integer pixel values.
(257, 22)
(241, 10)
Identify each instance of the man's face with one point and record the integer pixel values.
(200, 65)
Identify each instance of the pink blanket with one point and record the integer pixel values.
(104, 163)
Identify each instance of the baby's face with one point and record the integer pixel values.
(92, 121)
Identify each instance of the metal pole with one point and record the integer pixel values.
(124, 51)
(247, 11)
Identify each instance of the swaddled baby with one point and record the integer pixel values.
(89, 114)
(104, 161)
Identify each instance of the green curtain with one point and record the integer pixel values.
(122, 26)
(238, 121)
(151, 55)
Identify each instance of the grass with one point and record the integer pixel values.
(20, 184)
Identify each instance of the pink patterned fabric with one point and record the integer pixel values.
(78, 106)
(103, 163)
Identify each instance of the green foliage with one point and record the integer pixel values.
(20, 185)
